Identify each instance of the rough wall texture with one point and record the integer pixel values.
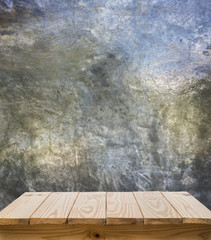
(110, 95)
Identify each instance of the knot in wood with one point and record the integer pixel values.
(96, 235)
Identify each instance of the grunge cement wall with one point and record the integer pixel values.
(110, 95)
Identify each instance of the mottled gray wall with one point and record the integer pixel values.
(110, 95)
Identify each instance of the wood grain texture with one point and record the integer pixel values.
(190, 209)
(107, 232)
(55, 209)
(156, 209)
(96, 208)
(122, 208)
(19, 211)
(89, 208)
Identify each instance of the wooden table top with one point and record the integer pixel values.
(105, 208)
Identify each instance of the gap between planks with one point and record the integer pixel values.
(191, 210)
(55, 209)
(122, 208)
(29, 201)
(156, 209)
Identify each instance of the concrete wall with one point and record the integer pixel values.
(110, 95)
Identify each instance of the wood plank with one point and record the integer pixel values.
(122, 208)
(107, 232)
(89, 208)
(55, 209)
(191, 210)
(156, 209)
(20, 210)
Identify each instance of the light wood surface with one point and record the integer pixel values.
(100, 208)
(55, 209)
(122, 208)
(190, 209)
(156, 209)
(89, 208)
(107, 232)
(19, 211)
